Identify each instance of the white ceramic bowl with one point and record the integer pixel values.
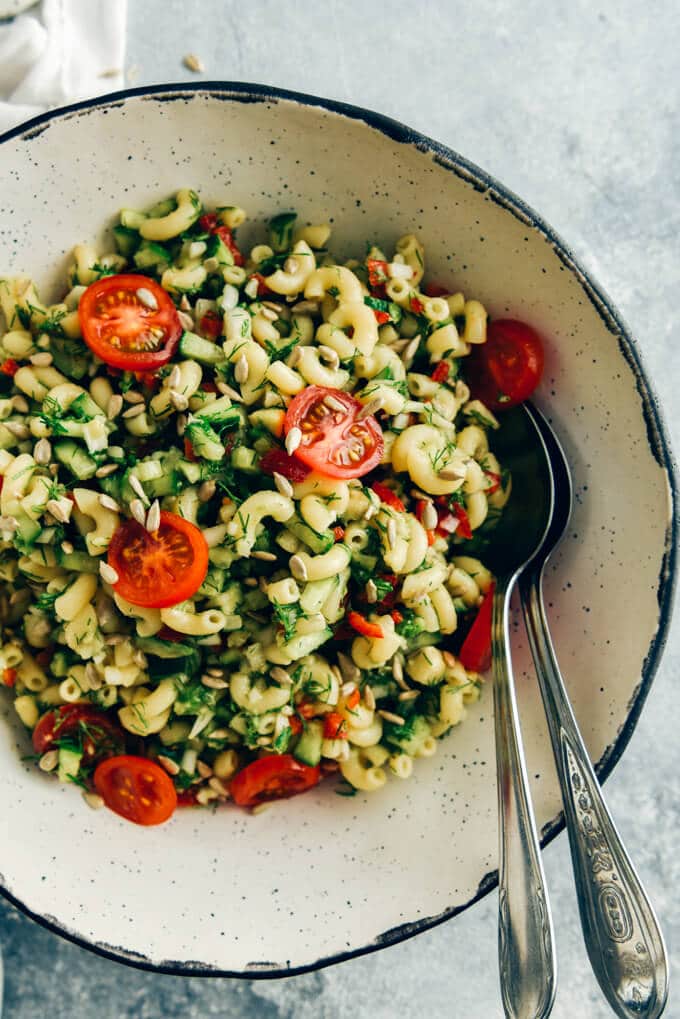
(319, 878)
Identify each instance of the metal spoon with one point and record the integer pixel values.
(525, 935)
(622, 935)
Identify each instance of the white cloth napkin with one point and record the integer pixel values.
(58, 52)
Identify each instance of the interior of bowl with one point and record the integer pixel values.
(322, 876)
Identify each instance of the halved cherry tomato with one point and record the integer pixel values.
(436, 290)
(506, 369)
(9, 367)
(338, 533)
(463, 529)
(377, 272)
(210, 223)
(475, 654)
(387, 496)
(336, 443)
(296, 725)
(334, 726)
(9, 677)
(441, 372)
(211, 325)
(494, 482)
(277, 460)
(99, 735)
(273, 777)
(159, 569)
(363, 625)
(381, 316)
(353, 699)
(123, 330)
(136, 788)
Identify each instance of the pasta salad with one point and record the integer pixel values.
(244, 499)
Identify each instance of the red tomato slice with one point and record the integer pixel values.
(274, 777)
(506, 369)
(441, 372)
(475, 653)
(9, 367)
(121, 329)
(136, 788)
(159, 569)
(363, 626)
(389, 497)
(99, 734)
(334, 726)
(277, 461)
(335, 442)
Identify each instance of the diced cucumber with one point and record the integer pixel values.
(70, 356)
(28, 529)
(162, 208)
(315, 594)
(205, 441)
(245, 459)
(132, 219)
(170, 483)
(111, 485)
(84, 408)
(199, 349)
(163, 648)
(75, 459)
(281, 231)
(308, 748)
(59, 664)
(318, 542)
(409, 743)
(80, 562)
(222, 413)
(127, 240)
(190, 470)
(298, 647)
(218, 249)
(151, 256)
(69, 763)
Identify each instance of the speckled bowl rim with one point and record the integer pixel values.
(659, 446)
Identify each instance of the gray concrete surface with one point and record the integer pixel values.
(576, 107)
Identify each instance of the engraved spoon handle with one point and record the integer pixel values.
(621, 932)
(525, 937)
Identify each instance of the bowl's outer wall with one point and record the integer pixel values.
(323, 876)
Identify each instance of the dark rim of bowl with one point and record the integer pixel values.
(657, 438)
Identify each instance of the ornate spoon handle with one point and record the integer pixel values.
(621, 932)
(525, 937)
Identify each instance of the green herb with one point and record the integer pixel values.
(410, 626)
(287, 616)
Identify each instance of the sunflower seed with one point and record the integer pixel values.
(329, 355)
(108, 503)
(369, 698)
(214, 682)
(134, 411)
(93, 800)
(49, 760)
(267, 557)
(397, 670)
(132, 396)
(449, 659)
(181, 424)
(20, 404)
(391, 532)
(174, 377)
(203, 769)
(371, 592)
(305, 306)
(291, 265)
(185, 320)
(218, 786)
(251, 582)
(370, 512)
(218, 734)
(283, 484)
(113, 639)
(147, 298)
(350, 671)
(138, 512)
(114, 406)
(298, 568)
(153, 517)
(430, 516)
(18, 430)
(42, 452)
(295, 356)
(105, 470)
(280, 675)
(185, 303)
(453, 472)
(269, 314)
(168, 764)
(136, 486)
(410, 351)
(41, 360)
(409, 695)
(334, 404)
(226, 390)
(390, 717)
(241, 370)
(93, 677)
(348, 688)
(293, 440)
(60, 509)
(205, 796)
(66, 547)
(194, 63)
(178, 400)
(206, 491)
(214, 670)
(251, 287)
(372, 407)
(107, 573)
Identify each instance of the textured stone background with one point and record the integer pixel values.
(576, 107)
